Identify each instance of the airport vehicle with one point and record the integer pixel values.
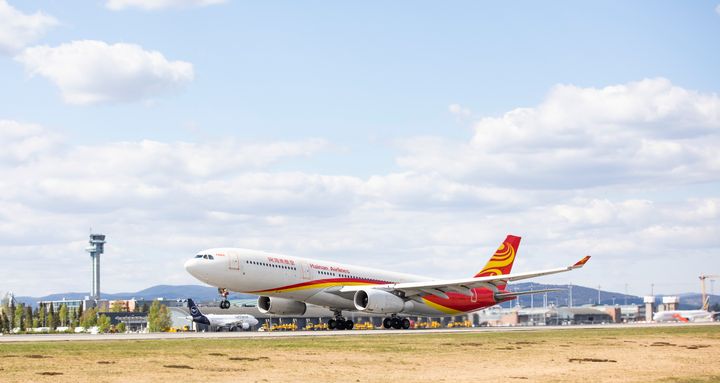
(222, 321)
(285, 284)
(684, 316)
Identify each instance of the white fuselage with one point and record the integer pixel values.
(683, 315)
(228, 320)
(302, 279)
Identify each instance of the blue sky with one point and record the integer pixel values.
(413, 135)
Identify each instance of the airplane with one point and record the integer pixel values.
(220, 321)
(684, 316)
(286, 284)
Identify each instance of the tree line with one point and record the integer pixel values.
(23, 318)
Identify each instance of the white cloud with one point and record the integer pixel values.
(145, 174)
(161, 201)
(459, 111)
(89, 71)
(717, 9)
(18, 29)
(151, 5)
(638, 132)
(22, 142)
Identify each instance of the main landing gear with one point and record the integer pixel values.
(396, 323)
(225, 303)
(340, 323)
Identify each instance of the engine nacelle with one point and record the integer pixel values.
(379, 301)
(245, 326)
(280, 306)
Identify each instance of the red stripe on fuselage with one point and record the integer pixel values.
(456, 301)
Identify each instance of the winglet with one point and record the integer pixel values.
(581, 262)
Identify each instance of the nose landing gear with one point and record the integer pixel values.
(225, 303)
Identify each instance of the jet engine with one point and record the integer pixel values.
(280, 306)
(379, 301)
(245, 326)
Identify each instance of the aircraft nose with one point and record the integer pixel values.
(191, 266)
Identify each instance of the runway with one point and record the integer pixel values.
(289, 334)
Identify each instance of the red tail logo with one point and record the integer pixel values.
(502, 261)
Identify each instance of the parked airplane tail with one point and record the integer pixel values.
(197, 316)
(502, 261)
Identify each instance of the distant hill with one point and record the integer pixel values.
(581, 295)
(690, 301)
(196, 292)
(585, 295)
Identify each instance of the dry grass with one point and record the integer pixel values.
(667, 355)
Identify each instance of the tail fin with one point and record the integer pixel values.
(197, 316)
(502, 261)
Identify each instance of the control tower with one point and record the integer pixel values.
(97, 247)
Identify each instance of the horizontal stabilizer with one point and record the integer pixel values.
(514, 294)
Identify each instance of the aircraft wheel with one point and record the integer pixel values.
(387, 322)
(396, 323)
(349, 325)
(331, 324)
(405, 323)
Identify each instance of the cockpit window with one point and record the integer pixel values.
(210, 256)
(205, 256)
(199, 256)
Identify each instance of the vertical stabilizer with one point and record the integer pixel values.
(197, 316)
(502, 261)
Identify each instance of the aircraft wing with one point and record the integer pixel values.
(514, 294)
(463, 286)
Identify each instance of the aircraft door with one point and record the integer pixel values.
(305, 270)
(234, 260)
(473, 297)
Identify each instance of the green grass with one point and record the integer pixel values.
(369, 343)
(377, 356)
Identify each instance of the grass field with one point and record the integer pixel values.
(668, 355)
